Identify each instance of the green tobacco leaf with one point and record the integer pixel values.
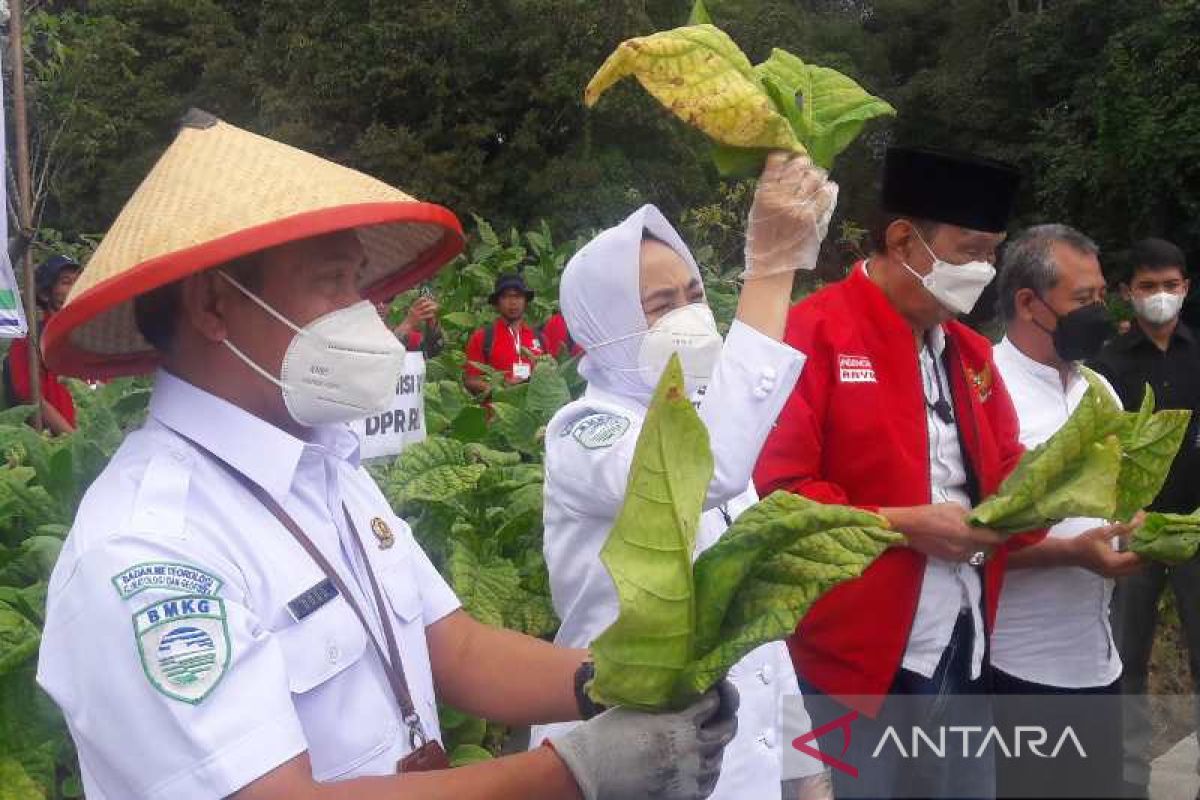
(19, 639)
(468, 754)
(441, 483)
(1149, 445)
(1072, 474)
(825, 108)
(699, 15)
(518, 427)
(649, 554)
(772, 525)
(548, 391)
(1169, 538)
(700, 76)
(484, 586)
(15, 783)
(759, 580)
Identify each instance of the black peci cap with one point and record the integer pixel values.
(967, 191)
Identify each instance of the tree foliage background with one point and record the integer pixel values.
(476, 104)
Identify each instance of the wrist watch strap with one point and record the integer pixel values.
(588, 708)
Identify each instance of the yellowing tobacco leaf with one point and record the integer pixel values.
(703, 78)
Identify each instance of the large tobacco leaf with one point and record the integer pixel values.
(1148, 447)
(1104, 462)
(758, 581)
(681, 627)
(649, 555)
(702, 77)
(1169, 538)
(825, 109)
(1072, 474)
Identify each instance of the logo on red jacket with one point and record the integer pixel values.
(855, 369)
(981, 382)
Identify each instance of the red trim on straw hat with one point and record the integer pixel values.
(64, 357)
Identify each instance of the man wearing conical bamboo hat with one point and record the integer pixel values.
(236, 611)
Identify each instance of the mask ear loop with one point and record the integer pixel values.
(249, 362)
(258, 301)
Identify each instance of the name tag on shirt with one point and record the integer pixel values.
(305, 603)
(522, 371)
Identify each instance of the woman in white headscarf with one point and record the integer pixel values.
(632, 297)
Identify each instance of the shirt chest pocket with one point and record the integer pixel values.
(338, 690)
(403, 597)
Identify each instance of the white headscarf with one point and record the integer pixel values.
(601, 301)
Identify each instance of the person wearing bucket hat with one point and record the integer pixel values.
(257, 621)
(53, 279)
(509, 343)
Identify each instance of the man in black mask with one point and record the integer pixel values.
(1052, 633)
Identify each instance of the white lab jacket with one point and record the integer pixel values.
(586, 475)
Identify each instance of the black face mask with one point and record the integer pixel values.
(1080, 334)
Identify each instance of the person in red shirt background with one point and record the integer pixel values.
(508, 344)
(557, 338)
(52, 282)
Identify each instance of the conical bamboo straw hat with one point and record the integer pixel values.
(218, 193)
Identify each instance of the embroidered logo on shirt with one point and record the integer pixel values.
(981, 382)
(855, 369)
(184, 645)
(383, 534)
(598, 431)
(171, 575)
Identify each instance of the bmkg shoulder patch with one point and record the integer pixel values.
(170, 575)
(184, 645)
(597, 431)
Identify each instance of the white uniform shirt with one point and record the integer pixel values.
(1052, 626)
(589, 453)
(948, 587)
(169, 643)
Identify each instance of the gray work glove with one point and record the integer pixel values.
(631, 755)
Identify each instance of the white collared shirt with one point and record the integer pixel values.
(589, 451)
(1052, 626)
(184, 639)
(947, 587)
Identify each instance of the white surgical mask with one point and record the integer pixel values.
(955, 286)
(342, 366)
(691, 331)
(1158, 308)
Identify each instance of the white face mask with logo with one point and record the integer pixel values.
(342, 366)
(955, 286)
(1158, 308)
(691, 331)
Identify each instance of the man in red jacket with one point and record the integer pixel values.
(901, 410)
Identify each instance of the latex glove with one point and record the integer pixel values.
(790, 216)
(631, 755)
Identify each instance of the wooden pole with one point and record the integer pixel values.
(16, 35)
